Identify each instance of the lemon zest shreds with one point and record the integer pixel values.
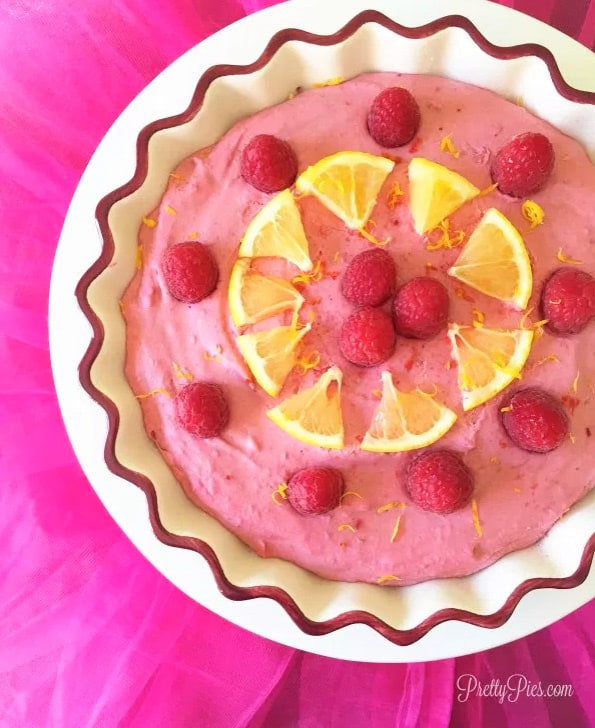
(336, 256)
(170, 210)
(533, 213)
(447, 240)
(506, 409)
(377, 393)
(371, 238)
(495, 459)
(517, 490)
(391, 505)
(149, 222)
(571, 438)
(565, 259)
(387, 577)
(193, 236)
(139, 256)
(549, 357)
(394, 196)
(488, 190)
(121, 305)
(351, 492)
(182, 373)
(346, 527)
(575, 382)
(395, 532)
(280, 492)
(447, 145)
(152, 393)
(179, 177)
(478, 318)
(519, 101)
(310, 361)
(476, 521)
(313, 276)
(524, 318)
(429, 267)
(207, 356)
(337, 81)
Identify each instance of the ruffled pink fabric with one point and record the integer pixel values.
(90, 634)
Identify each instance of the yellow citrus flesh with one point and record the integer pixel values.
(488, 360)
(495, 261)
(277, 232)
(271, 355)
(254, 297)
(406, 420)
(314, 416)
(347, 183)
(435, 192)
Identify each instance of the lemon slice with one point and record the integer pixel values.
(314, 415)
(271, 355)
(435, 192)
(347, 183)
(254, 297)
(488, 360)
(406, 420)
(277, 232)
(495, 261)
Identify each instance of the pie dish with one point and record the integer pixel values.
(239, 573)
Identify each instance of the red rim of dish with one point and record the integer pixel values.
(232, 591)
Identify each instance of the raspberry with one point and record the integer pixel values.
(367, 337)
(420, 308)
(568, 300)
(394, 118)
(313, 491)
(268, 163)
(190, 271)
(536, 421)
(202, 409)
(370, 278)
(439, 481)
(524, 165)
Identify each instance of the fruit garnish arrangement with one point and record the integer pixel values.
(274, 337)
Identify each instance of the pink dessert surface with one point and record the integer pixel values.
(518, 495)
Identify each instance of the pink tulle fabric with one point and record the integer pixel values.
(91, 636)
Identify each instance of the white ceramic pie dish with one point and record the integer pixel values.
(449, 47)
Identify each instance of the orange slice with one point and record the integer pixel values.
(406, 420)
(277, 232)
(435, 193)
(272, 354)
(314, 416)
(254, 297)
(488, 360)
(347, 183)
(495, 261)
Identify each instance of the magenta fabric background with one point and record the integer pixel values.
(91, 636)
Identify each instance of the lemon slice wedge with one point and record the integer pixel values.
(254, 297)
(347, 183)
(272, 354)
(488, 360)
(406, 420)
(435, 193)
(277, 232)
(495, 261)
(314, 416)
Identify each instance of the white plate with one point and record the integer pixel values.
(111, 166)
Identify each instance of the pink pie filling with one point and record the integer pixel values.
(518, 495)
